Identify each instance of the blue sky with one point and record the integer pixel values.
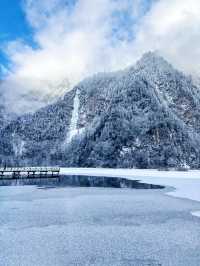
(13, 24)
(12, 20)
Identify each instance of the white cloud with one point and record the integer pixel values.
(97, 35)
(172, 27)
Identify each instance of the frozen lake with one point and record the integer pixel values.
(97, 226)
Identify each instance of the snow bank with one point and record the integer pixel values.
(196, 214)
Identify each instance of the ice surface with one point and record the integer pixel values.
(96, 226)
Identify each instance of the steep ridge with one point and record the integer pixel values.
(147, 116)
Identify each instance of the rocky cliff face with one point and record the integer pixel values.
(145, 116)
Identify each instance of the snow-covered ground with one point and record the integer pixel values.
(186, 184)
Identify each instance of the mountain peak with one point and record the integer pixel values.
(153, 60)
(151, 55)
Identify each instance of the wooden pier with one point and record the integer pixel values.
(29, 172)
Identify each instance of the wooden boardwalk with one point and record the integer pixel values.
(29, 172)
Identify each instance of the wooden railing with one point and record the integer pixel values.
(29, 172)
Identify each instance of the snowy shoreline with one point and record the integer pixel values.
(186, 184)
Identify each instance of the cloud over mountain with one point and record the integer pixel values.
(76, 38)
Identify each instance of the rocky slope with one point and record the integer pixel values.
(146, 116)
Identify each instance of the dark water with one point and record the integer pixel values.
(99, 181)
(80, 181)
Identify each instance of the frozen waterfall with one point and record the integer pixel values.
(74, 119)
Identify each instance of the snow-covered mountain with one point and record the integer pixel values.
(145, 116)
